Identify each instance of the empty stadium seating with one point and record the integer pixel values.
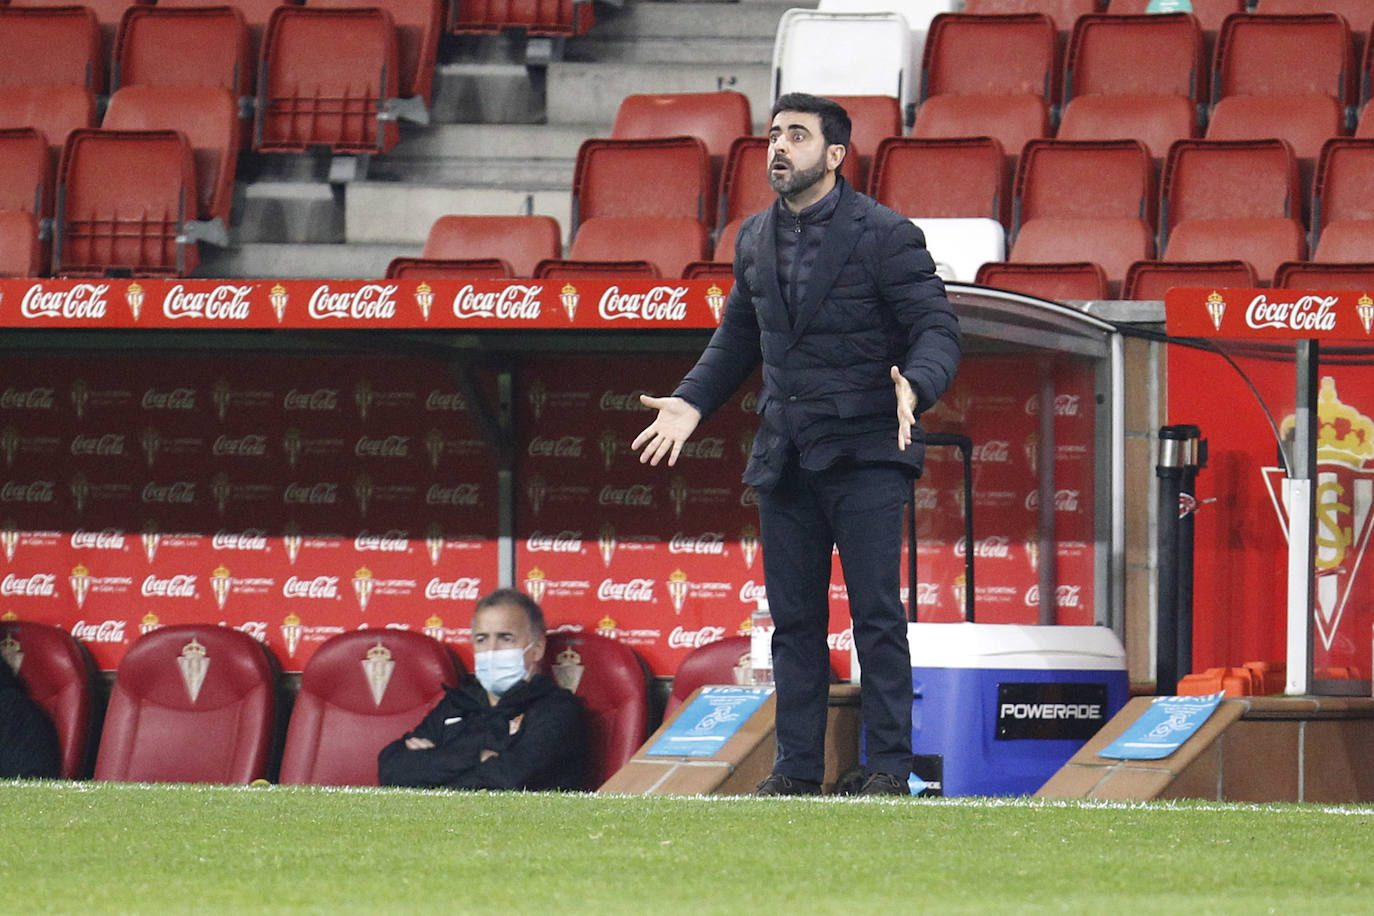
(123, 201)
(1061, 12)
(418, 24)
(1225, 199)
(329, 79)
(21, 251)
(988, 76)
(668, 243)
(844, 54)
(609, 678)
(873, 119)
(360, 691)
(715, 118)
(1059, 282)
(191, 703)
(51, 46)
(207, 116)
(963, 177)
(1134, 76)
(450, 268)
(1151, 279)
(26, 186)
(725, 661)
(184, 46)
(611, 177)
(55, 111)
(578, 269)
(256, 14)
(1343, 201)
(539, 17)
(520, 241)
(59, 675)
(1319, 275)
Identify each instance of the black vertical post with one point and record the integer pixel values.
(1169, 470)
(1194, 460)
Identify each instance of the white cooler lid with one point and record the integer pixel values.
(1009, 645)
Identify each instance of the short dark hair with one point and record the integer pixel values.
(835, 124)
(510, 597)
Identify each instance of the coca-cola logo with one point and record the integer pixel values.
(752, 592)
(842, 641)
(178, 586)
(318, 587)
(445, 400)
(39, 585)
(107, 631)
(563, 542)
(612, 401)
(83, 300)
(1064, 595)
(463, 494)
(711, 543)
(35, 492)
(183, 492)
(250, 446)
(563, 447)
(369, 301)
(749, 497)
(925, 498)
(1306, 313)
(393, 541)
(659, 303)
(681, 638)
(639, 590)
(106, 444)
(994, 451)
(710, 448)
(640, 495)
(994, 547)
(223, 303)
(176, 399)
(254, 539)
(32, 399)
(318, 494)
(1064, 500)
(927, 594)
(320, 399)
(515, 302)
(467, 588)
(1065, 405)
(105, 539)
(254, 628)
(386, 447)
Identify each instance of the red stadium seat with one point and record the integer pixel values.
(943, 178)
(1284, 55)
(256, 13)
(1227, 179)
(1343, 196)
(1151, 279)
(207, 116)
(51, 46)
(1210, 13)
(534, 17)
(1134, 76)
(1012, 120)
(450, 268)
(610, 680)
(123, 201)
(521, 241)
(724, 250)
(191, 703)
(873, 118)
(611, 178)
(1084, 199)
(1358, 14)
(59, 675)
(715, 118)
(1319, 275)
(184, 46)
(668, 244)
(1352, 240)
(55, 111)
(21, 250)
(1062, 12)
(1262, 243)
(329, 79)
(744, 184)
(717, 271)
(725, 661)
(418, 24)
(360, 691)
(26, 185)
(995, 55)
(578, 269)
(1071, 280)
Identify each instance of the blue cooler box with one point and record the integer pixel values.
(999, 708)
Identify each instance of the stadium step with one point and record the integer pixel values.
(288, 261)
(682, 33)
(386, 212)
(589, 93)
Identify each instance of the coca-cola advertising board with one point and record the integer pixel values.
(289, 497)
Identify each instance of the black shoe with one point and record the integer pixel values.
(884, 784)
(778, 784)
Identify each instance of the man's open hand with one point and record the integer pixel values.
(671, 428)
(906, 408)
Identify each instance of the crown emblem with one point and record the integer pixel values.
(1216, 308)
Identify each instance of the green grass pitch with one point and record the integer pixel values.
(120, 848)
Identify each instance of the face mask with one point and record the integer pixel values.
(500, 669)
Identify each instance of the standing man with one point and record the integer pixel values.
(838, 297)
(510, 727)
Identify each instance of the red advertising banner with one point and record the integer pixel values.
(1279, 314)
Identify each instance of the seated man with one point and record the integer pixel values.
(28, 741)
(510, 727)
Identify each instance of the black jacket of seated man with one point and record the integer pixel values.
(537, 731)
(29, 747)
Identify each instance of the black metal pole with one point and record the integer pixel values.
(1194, 460)
(1169, 470)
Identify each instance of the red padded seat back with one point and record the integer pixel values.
(58, 675)
(610, 680)
(725, 661)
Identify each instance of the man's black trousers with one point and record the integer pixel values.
(857, 508)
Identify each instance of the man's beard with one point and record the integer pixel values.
(794, 181)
